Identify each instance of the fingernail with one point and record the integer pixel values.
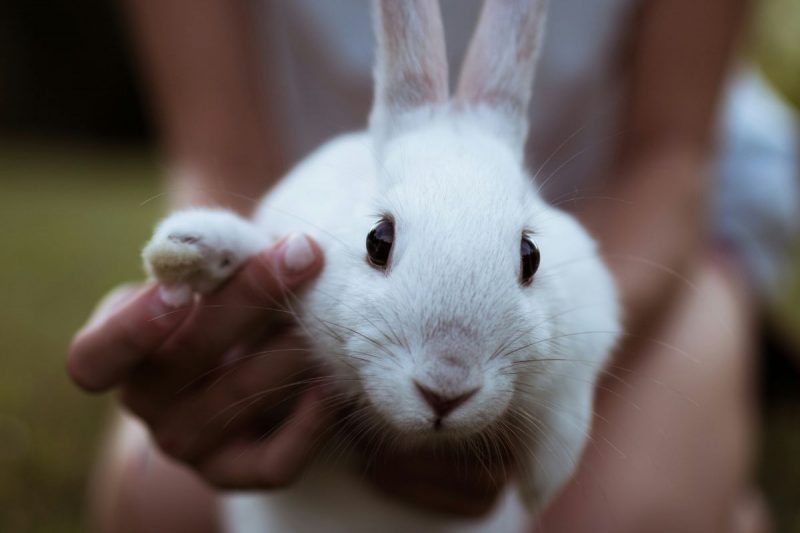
(298, 255)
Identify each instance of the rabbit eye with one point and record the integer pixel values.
(530, 260)
(379, 243)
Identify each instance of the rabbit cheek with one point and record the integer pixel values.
(391, 393)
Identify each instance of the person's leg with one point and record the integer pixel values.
(672, 444)
(136, 489)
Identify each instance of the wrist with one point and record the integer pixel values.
(196, 186)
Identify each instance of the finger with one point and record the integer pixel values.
(277, 461)
(442, 481)
(252, 300)
(190, 421)
(115, 340)
(454, 501)
(117, 298)
(440, 488)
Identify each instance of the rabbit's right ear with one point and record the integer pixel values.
(497, 76)
(410, 66)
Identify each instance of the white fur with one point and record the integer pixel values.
(199, 248)
(450, 312)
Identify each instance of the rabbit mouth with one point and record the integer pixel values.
(492, 446)
(431, 429)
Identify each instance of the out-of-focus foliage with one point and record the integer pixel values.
(776, 43)
(73, 221)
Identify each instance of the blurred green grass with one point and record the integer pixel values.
(73, 221)
(775, 42)
(775, 46)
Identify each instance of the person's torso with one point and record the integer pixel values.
(319, 55)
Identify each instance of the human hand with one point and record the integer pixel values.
(442, 480)
(212, 379)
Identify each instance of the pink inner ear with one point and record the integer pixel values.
(498, 70)
(411, 68)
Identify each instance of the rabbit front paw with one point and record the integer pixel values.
(194, 251)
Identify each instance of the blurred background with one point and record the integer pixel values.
(79, 185)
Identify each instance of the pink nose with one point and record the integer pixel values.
(444, 405)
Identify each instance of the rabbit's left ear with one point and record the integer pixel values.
(411, 64)
(497, 75)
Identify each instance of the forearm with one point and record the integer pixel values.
(202, 67)
(652, 228)
(655, 231)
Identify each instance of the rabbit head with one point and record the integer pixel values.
(473, 293)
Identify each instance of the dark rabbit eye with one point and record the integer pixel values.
(530, 260)
(379, 243)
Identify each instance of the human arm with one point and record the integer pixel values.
(680, 57)
(210, 93)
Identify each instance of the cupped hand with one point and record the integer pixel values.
(462, 482)
(226, 388)
(222, 383)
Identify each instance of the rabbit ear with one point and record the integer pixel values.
(411, 65)
(498, 71)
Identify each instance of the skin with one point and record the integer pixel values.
(216, 131)
(178, 395)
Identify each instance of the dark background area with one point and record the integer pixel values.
(66, 72)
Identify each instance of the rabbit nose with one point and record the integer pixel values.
(443, 405)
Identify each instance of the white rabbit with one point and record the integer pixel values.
(475, 307)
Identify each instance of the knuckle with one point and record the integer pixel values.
(137, 335)
(261, 281)
(146, 324)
